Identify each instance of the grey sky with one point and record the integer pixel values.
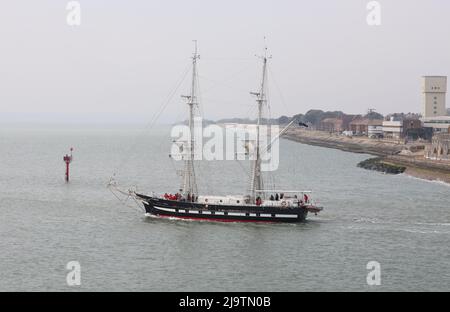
(126, 56)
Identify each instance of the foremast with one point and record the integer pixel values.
(189, 180)
(256, 179)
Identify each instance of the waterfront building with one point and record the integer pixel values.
(413, 130)
(331, 125)
(411, 123)
(375, 129)
(336, 124)
(434, 89)
(393, 129)
(440, 124)
(359, 126)
(396, 128)
(439, 148)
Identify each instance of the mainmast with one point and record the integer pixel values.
(189, 183)
(257, 181)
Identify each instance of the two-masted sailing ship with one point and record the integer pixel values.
(256, 205)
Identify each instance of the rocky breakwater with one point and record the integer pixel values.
(378, 164)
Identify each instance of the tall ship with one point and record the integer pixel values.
(254, 205)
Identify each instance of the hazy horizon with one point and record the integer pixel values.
(122, 62)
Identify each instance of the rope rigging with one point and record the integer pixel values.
(153, 121)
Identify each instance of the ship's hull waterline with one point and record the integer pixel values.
(222, 213)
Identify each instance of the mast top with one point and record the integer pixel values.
(265, 55)
(195, 56)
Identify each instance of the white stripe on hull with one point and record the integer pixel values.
(165, 209)
(285, 216)
(236, 214)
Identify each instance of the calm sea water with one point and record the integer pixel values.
(401, 222)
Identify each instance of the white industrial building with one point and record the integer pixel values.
(434, 89)
(392, 129)
(439, 124)
(375, 131)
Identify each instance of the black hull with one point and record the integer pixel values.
(223, 213)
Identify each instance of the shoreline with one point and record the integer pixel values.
(416, 166)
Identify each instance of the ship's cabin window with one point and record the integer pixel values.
(221, 200)
(237, 201)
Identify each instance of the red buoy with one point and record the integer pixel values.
(68, 159)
